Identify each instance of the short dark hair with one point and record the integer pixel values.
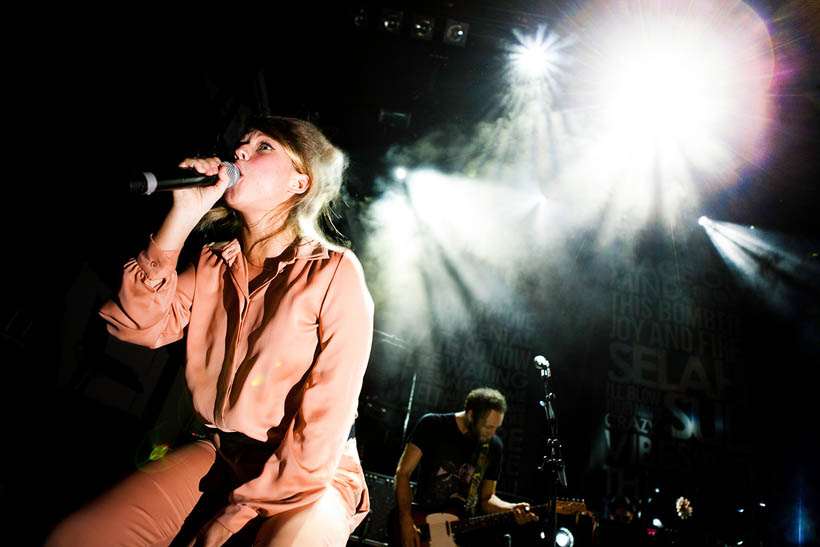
(484, 399)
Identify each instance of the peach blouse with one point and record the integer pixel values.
(283, 364)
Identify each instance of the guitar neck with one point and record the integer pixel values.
(455, 526)
(495, 519)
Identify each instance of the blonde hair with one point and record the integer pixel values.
(313, 155)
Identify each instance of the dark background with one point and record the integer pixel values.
(96, 95)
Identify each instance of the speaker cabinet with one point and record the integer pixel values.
(373, 529)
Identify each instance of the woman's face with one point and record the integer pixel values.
(268, 176)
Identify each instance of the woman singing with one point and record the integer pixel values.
(278, 325)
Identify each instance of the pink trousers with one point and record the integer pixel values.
(163, 505)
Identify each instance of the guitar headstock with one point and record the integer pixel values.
(570, 507)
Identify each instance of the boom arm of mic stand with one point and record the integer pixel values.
(409, 409)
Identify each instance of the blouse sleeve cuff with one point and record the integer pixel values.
(157, 263)
(235, 517)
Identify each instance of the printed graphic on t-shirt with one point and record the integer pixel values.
(451, 483)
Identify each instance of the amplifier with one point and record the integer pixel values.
(373, 529)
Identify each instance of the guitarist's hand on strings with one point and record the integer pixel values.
(522, 513)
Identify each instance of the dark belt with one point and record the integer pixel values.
(240, 438)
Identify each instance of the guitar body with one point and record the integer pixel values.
(434, 528)
(441, 529)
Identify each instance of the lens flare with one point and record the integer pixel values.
(158, 452)
(154, 453)
(666, 101)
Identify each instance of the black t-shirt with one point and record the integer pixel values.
(448, 462)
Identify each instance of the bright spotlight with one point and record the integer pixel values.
(679, 76)
(531, 60)
(564, 538)
(672, 94)
(656, 522)
(703, 221)
(400, 173)
(763, 260)
(656, 90)
(535, 56)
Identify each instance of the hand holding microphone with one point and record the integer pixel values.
(204, 181)
(191, 173)
(195, 192)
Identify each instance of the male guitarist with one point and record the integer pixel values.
(460, 458)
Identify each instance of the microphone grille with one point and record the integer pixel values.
(233, 172)
(541, 362)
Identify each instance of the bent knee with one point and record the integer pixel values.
(324, 523)
(73, 531)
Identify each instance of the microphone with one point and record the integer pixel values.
(149, 182)
(541, 362)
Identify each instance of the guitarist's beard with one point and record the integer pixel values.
(473, 429)
(482, 428)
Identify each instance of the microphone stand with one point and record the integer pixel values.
(553, 462)
(409, 409)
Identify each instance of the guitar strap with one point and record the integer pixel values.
(480, 466)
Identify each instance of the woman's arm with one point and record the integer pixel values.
(153, 304)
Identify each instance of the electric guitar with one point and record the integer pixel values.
(442, 529)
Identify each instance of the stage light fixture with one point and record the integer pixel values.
(656, 522)
(400, 173)
(564, 538)
(360, 18)
(683, 507)
(703, 221)
(455, 33)
(391, 21)
(393, 118)
(423, 26)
